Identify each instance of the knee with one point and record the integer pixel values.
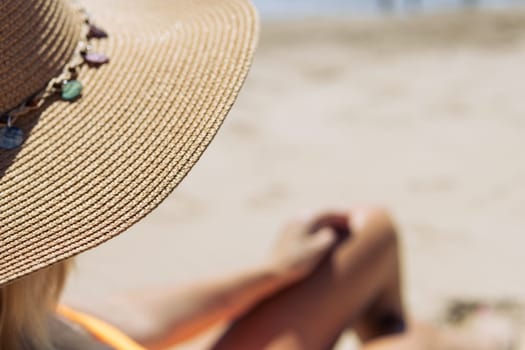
(374, 223)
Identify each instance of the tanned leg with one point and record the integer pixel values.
(356, 285)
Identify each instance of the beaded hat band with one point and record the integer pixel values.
(88, 170)
(67, 83)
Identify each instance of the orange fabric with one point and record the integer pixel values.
(102, 331)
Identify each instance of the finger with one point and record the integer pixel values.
(338, 222)
(323, 239)
(297, 227)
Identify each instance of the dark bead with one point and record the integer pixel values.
(96, 32)
(11, 137)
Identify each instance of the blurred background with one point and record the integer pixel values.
(415, 105)
(286, 9)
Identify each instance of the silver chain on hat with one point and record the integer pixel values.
(66, 84)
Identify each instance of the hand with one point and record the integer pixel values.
(303, 244)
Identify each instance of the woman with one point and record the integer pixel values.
(99, 126)
(335, 272)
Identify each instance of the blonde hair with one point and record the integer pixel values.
(25, 307)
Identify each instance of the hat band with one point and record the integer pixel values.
(66, 84)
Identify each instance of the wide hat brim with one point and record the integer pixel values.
(90, 169)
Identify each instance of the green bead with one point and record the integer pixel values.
(71, 90)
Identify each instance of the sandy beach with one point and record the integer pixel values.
(425, 116)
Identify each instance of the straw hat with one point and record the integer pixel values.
(91, 166)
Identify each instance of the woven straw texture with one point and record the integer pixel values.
(90, 169)
(35, 44)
